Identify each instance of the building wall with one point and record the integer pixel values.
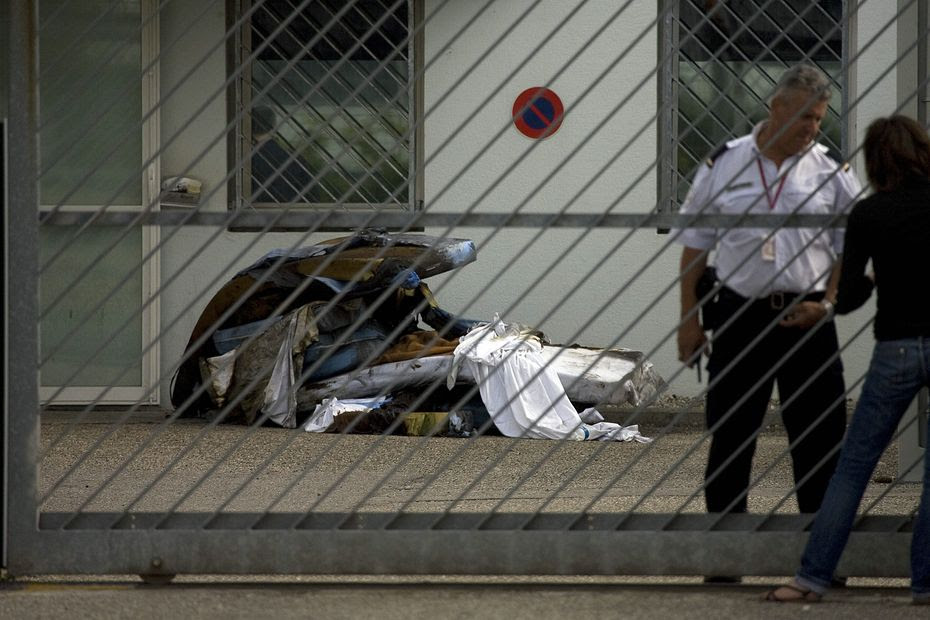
(601, 287)
(601, 159)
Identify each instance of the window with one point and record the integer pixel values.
(324, 103)
(723, 59)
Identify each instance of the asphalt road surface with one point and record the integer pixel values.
(142, 464)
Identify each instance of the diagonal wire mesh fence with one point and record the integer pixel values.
(314, 277)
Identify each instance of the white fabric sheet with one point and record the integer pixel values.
(523, 394)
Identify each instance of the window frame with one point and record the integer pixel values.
(238, 102)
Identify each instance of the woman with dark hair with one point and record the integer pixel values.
(892, 228)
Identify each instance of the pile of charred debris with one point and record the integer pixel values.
(349, 330)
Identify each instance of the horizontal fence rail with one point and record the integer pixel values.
(392, 286)
(282, 220)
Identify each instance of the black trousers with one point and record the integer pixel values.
(740, 392)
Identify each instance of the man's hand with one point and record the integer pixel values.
(691, 342)
(804, 315)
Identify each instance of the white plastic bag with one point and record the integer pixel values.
(325, 413)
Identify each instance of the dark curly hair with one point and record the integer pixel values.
(896, 149)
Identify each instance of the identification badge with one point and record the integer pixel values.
(768, 249)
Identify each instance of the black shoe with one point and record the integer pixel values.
(838, 582)
(718, 579)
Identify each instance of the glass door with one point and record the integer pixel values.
(96, 326)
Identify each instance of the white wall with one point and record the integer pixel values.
(874, 48)
(603, 287)
(601, 159)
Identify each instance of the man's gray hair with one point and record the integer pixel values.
(805, 78)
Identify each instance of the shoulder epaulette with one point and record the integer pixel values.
(717, 153)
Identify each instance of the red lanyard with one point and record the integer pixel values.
(765, 184)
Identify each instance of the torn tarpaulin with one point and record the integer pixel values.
(358, 269)
(343, 319)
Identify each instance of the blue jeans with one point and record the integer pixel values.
(899, 368)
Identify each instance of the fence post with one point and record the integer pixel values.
(21, 407)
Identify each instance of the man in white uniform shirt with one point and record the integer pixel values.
(777, 297)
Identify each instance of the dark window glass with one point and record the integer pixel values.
(328, 103)
(730, 54)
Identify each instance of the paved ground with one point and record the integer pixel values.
(437, 598)
(140, 464)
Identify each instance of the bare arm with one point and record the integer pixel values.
(691, 338)
(834, 282)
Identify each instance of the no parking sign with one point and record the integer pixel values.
(537, 112)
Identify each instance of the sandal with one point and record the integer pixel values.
(794, 594)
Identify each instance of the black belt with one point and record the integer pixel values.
(777, 300)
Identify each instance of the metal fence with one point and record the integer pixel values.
(228, 219)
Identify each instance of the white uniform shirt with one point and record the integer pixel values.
(732, 184)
